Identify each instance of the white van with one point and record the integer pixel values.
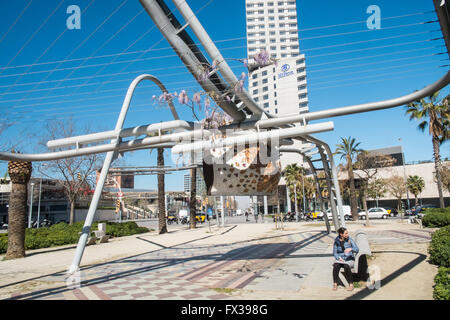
(347, 213)
(183, 213)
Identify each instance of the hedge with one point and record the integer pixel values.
(442, 284)
(439, 248)
(63, 233)
(436, 218)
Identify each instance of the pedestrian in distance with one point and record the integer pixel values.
(344, 250)
(246, 216)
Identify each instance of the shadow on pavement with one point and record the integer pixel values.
(407, 267)
(248, 252)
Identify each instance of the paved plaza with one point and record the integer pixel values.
(208, 264)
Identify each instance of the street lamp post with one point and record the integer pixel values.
(39, 204)
(404, 174)
(31, 205)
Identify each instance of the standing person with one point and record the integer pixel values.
(256, 217)
(344, 250)
(246, 216)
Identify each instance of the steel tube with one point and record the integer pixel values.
(214, 54)
(337, 112)
(253, 138)
(194, 61)
(110, 156)
(113, 134)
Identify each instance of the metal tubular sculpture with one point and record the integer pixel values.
(247, 114)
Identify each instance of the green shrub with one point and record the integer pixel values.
(439, 248)
(436, 218)
(442, 284)
(62, 234)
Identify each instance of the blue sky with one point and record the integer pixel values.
(342, 75)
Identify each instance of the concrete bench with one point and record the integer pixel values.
(360, 269)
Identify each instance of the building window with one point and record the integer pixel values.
(272, 25)
(299, 70)
(276, 110)
(265, 89)
(282, 33)
(300, 61)
(262, 33)
(256, 99)
(264, 81)
(266, 105)
(301, 78)
(254, 76)
(264, 73)
(271, 18)
(294, 47)
(274, 85)
(270, 11)
(261, 11)
(272, 40)
(270, 4)
(260, 4)
(284, 55)
(255, 91)
(302, 96)
(254, 84)
(265, 97)
(276, 102)
(275, 94)
(302, 87)
(273, 55)
(282, 25)
(273, 48)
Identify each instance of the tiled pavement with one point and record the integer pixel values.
(190, 271)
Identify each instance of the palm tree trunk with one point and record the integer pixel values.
(161, 195)
(353, 205)
(20, 173)
(193, 200)
(438, 168)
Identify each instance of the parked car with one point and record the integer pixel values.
(347, 213)
(374, 213)
(4, 226)
(392, 211)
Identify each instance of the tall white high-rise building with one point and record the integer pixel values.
(280, 89)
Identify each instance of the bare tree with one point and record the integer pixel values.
(74, 175)
(367, 165)
(396, 186)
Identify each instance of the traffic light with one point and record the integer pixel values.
(117, 205)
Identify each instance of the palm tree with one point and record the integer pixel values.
(20, 174)
(348, 148)
(161, 194)
(435, 115)
(415, 184)
(293, 175)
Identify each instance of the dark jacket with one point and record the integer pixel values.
(338, 252)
